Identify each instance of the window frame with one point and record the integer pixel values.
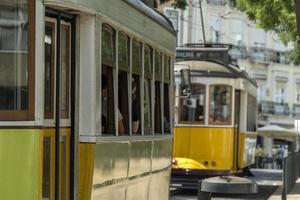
(230, 105)
(204, 107)
(26, 115)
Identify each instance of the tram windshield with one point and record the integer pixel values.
(220, 104)
(192, 107)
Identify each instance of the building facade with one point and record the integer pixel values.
(260, 53)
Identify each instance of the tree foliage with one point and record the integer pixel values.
(274, 15)
(180, 4)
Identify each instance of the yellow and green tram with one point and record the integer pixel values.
(215, 115)
(85, 107)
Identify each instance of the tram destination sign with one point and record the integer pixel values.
(204, 55)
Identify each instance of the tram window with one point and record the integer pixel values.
(136, 57)
(167, 127)
(123, 103)
(107, 112)
(147, 107)
(251, 113)
(46, 188)
(136, 105)
(157, 117)
(147, 90)
(16, 55)
(65, 71)
(49, 70)
(123, 51)
(192, 108)
(158, 66)
(167, 65)
(108, 45)
(220, 105)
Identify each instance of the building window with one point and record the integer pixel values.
(17, 60)
(298, 93)
(220, 97)
(281, 92)
(192, 108)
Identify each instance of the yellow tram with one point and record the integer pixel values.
(85, 103)
(215, 115)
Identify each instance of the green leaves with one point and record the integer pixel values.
(180, 4)
(274, 15)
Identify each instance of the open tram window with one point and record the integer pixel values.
(220, 104)
(157, 100)
(147, 90)
(251, 113)
(107, 83)
(123, 61)
(17, 59)
(192, 108)
(167, 69)
(49, 70)
(136, 89)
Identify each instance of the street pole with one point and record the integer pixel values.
(202, 21)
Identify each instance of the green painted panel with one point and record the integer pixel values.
(111, 163)
(161, 156)
(19, 164)
(140, 158)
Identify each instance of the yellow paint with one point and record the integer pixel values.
(204, 147)
(86, 167)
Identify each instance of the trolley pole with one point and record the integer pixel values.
(202, 21)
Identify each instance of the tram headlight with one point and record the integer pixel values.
(174, 162)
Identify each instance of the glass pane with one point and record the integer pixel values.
(147, 107)
(157, 117)
(107, 47)
(148, 61)
(65, 71)
(158, 66)
(123, 52)
(136, 105)
(46, 190)
(14, 55)
(192, 108)
(123, 104)
(108, 115)
(49, 70)
(220, 104)
(167, 127)
(136, 57)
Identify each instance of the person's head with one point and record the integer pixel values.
(104, 86)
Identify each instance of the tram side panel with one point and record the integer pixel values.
(133, 170)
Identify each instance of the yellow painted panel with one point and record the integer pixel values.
(204, 147)
(86, 170)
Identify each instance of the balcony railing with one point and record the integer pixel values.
(217, 2)
(282, 108)
(266, 107)
(273, 108)
(263, 55)
(296, 110)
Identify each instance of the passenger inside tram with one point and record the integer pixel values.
(105, 111)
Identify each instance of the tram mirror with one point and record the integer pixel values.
(185, 76)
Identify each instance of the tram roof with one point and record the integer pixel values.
(213, 69)
(153, 14)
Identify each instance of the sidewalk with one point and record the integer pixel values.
(294, 194)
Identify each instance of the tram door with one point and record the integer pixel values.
(58, 92)
(237, 99)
